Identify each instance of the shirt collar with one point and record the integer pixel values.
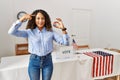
(43, 30)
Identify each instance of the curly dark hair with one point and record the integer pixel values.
(31, 23)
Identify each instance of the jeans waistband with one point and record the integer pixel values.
(40, 57)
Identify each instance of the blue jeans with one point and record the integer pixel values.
(44, 63)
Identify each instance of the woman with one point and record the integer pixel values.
(40, 41)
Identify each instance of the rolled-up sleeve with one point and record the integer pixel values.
(63, 40)
(66, 39)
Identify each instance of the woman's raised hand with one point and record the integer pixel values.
(58, 23)
(26, 17)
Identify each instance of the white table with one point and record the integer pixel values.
(69, 67)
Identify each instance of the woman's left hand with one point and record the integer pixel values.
(58, 23)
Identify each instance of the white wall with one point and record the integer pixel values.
(104, 29)
(106, 24)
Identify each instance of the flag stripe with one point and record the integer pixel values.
(102, 63)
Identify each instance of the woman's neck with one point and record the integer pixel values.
(40, 28)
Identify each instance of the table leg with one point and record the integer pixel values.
(118, 77)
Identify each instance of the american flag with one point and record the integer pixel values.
(102, 63)
(74, 44)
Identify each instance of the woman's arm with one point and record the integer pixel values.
(65, 38)
(14, 30)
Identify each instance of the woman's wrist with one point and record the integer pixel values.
(64, 29)
(21, 19)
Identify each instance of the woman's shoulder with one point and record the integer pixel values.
(29, 30)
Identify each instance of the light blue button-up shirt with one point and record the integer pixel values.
(39, 42)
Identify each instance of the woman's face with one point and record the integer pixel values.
(40, 20)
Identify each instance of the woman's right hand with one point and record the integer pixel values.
(25, 17)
